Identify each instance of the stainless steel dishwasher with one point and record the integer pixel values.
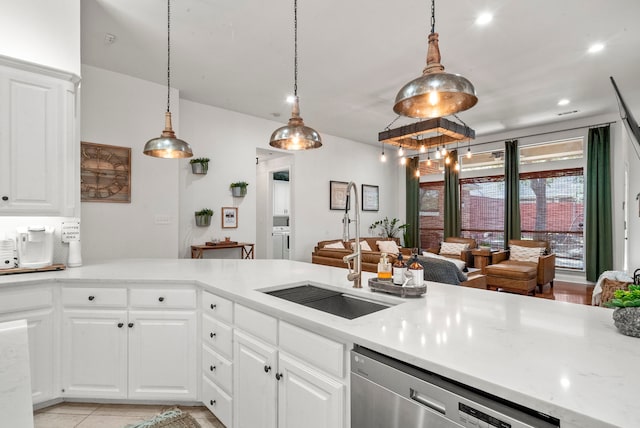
(387, 393)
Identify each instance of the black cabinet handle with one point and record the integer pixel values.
(212, 335)
(120, 324)
(161, 299)
(213, 306)
(5, 198)
(130, 325)
(279, 376)
(212, 402)
(267, 369)
(91, 298)
(212, 368)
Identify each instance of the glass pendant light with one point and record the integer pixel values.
(383, 157)
(167, 145)
(295, 135)
(435, 93)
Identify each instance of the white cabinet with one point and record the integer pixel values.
(144, 349)
(35, 305)
(281, 197)
(38, 142)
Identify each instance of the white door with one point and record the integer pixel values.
(308, 398)
(41, 354)
(162, 355)
(255, 385)
(94, 354)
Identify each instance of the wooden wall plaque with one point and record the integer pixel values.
(105, 173)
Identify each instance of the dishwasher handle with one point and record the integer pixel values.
(427, 401)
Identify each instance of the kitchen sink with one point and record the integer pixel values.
(330, 301)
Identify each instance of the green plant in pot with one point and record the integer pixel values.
(239, 188)
(199, 165)
(203, 217)
(626, 316)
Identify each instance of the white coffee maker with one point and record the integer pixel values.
(35, 246)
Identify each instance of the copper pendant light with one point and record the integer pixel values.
(167, 145)
(295, 135)
(435, 93)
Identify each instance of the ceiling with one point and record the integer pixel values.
(355, 55)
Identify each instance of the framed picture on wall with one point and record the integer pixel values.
(229, 217)
(338, 195)
(105, 173)
(370, 198)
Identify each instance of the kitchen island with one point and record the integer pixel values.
(562, 359)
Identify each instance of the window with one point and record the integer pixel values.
(482, 210)
(431, 214)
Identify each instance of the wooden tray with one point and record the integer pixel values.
(221, 243)
(28, 270)
(387, 286)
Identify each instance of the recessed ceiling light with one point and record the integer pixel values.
(563, 102)
(596, 47)
(484, 18)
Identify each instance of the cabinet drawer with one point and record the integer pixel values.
(262, 326)
(159, 298)
(313, 348)
(20, 300)
(94, 296)
(217, 401)
(217, 307)
(218, 336)
(217, 368)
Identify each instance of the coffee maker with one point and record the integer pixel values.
(35, 246)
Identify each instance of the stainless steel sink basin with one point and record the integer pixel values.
(330, 301)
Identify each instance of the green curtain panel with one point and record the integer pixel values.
(412, 232)
(452, 224)
(598, 233)
(511, 192)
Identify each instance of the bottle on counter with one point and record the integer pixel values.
(399, 270)
(416, 272)
(384, 268)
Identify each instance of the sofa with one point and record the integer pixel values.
(370, 259)
(464, 255)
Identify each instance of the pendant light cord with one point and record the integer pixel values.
(295, 48)
(433, 16)
(168, 55)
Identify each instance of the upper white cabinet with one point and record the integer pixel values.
(281, 198)
(39, 145)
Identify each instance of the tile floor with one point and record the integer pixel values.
(91, 415)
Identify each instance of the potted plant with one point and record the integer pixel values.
(388, 228)
(626, 316)
(199, 165)
(203, 217)
(239, 188)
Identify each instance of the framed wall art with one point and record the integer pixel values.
(105, 173)
(370, 198)
(338, 195)
(229, 217)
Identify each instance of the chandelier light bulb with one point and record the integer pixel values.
(383, 157)
(428, 162)
(417, 172)
(457, 166)
(401, 151)
(403, 161)
(438, 154)
(447, 160)
(423, 149)
(469, 153)
(444, 151)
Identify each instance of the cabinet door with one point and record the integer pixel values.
(41, 353)
(162, 355)
(308, 398)
(32, 113)
(281, 197)
(255, 385)
(94, 354)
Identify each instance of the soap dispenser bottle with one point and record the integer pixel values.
(399, 269)
(417, 272)
(384, 268)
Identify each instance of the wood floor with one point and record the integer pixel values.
(567, 292)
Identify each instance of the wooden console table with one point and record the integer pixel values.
(245, 248)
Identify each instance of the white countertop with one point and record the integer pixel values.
(563, 359)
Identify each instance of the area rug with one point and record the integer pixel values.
(170, 418)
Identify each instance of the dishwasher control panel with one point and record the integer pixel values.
(475, 418)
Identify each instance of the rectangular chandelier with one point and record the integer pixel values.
(428, 133)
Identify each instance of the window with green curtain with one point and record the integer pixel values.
(411, 233)
(451, 197)
(599, 230)
(431, 214)
(511, 192)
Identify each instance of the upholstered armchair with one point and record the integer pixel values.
(463, 254)
(525, 265)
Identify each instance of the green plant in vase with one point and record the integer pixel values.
(203, 217)
(626, 316)
(199, 165)
(239, 188)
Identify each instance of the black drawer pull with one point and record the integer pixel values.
(267, 369)
(212, 402)
(130, 325)
(120, 324)
(212, 368)
(161, 299)
(212, 335)
(213, 306)
(5, 198)
(91, 298)
(279, 376)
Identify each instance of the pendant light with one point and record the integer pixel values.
(167, 145)
(295, 135)
(435, 93)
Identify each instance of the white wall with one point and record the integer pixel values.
(42, 32)
(120, 110)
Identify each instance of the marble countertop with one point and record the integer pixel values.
(563, 359)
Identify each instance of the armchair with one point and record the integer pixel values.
(465, 255)
(516, 270)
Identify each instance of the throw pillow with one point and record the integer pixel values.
(525, 254)
(453, 248)
(335, 245)
(364, 246)
(459, 263)
(389, 247)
